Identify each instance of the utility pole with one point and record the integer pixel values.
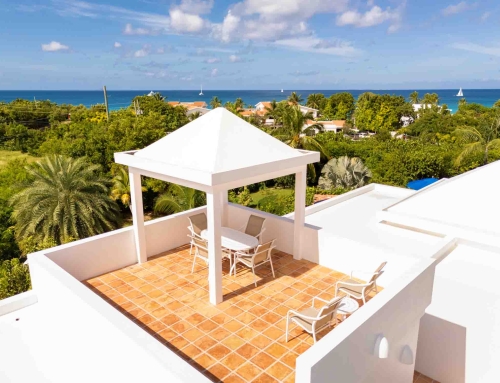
(106, 101)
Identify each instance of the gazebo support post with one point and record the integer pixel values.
(225, 207)
(138, 216)
(300, 211)
(214, 218)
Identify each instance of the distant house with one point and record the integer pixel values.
(192, 107)
(329, 126)
(304, 109)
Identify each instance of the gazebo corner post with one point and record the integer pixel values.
(300, 211)
(214, 218)
(225, 207)
(138, 216)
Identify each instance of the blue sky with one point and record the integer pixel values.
(249, 44)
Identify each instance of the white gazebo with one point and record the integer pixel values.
(215, 153)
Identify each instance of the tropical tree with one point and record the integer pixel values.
(215, 102)
(430, 99)
(315, 100)
(344, 172)
(496, 104)
(179, 198)
(67, 199)
(14, 278)
(158, 97)
(477, 142)
(193, 116)
(121, 188)
(239, 103)
(295, 98)
(273, 111)
(462, 102)
(414, 99)
(233, 108)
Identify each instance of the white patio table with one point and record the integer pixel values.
(234, 240)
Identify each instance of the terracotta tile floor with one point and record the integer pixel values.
(421, 378)
(241, 339)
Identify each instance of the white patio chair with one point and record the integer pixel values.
(254, 227)
(197, 223)
(313, 320)
(359, 290)
(201, 251)
(258, 257)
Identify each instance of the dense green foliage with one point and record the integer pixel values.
(14, 278)
(76, 145)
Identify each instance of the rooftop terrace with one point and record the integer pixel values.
(241, 339)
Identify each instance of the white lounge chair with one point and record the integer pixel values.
(258, 257)
(313, 320)
(201, 251)
(197, 223)
(359, 290)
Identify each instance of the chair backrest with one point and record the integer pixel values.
(377, 273)
(254, 225)
(201, 246)
(263, 252)
(328, 310)
(198, 222)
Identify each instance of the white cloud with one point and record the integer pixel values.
(485, 16)
(212, 60)
(234, 58)
(143, 52)
(197, 7)
(186, 22)
(372, 17)
(54, 46)
(476, 48)
(302, 9)
(131, 31)
(214, 72)
(229, 27)
(316, 45)
(305, 74)
(117, 45)
(453, 9)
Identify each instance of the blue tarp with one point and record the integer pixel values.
(420, 184)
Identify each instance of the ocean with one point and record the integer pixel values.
(121, 98)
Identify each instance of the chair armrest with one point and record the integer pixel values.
(354, 284)
(319, 299)
(296, 313)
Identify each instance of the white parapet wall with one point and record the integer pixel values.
(348, 354)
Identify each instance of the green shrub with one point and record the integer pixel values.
(14, 278)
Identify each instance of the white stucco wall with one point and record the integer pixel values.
(347, 354)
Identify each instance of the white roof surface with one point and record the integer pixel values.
(469, 201)
(216, 142)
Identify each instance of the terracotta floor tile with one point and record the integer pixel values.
(205, 342)
(289, 359)
(168, 334)
(276, 350)
(263, 360)
(157, 326)
(191, 351)
(179, 342)
(207, 326)
(192, 334)
(279, 371)
(264, 378)
(195, 319)
(204, 360)
(233, 311)
(261, 341)
(247, 351)
(219, 371)
(259, 325)
(301, 348)
(233, 361)
(170, 319)
(273, 333)
(247, 333)
(221, 318)
(246, 318)
(219, 351)
(233, 326)
(233, 342)
(219, 334)
(258, 310)
(233, 378)
(249, 371)
(174, 305)
(146, 319)
(180, 326)
(160, 312)
(271, 317)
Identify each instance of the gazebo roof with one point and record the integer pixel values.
(217, 148)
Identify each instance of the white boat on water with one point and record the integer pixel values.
(281, 90)
(201, 91)
(460, 93)
(151, 94)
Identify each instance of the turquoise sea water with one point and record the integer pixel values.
(122, 98)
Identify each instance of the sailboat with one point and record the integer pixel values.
(151, 94)
(201, 91)
(460, 93)
(281, 90)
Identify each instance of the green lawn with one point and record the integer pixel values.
(7, 155)
(256, 197)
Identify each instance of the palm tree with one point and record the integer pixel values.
(344, 172)
(273, 111)
(462, 102)
(430, 99)
(294, 135)
(295, 98)
(233, 108)
(121, 188)
(314, 100)
(158, 97)
(179, 198)
(215, 102)
(414, 97)
(193, 116)
(478, 143)
(67, 199)
(239, 103)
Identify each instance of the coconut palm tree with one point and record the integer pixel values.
(314, 100)
(295, 98)
(233, 108)
(193, 116)
(67, 199)
(215, 102)
(478, 143)
(273, 111)
(430, 99)
(179, 198)
(121, 188)
(414, 97)
(344, 172)
(239, 103)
